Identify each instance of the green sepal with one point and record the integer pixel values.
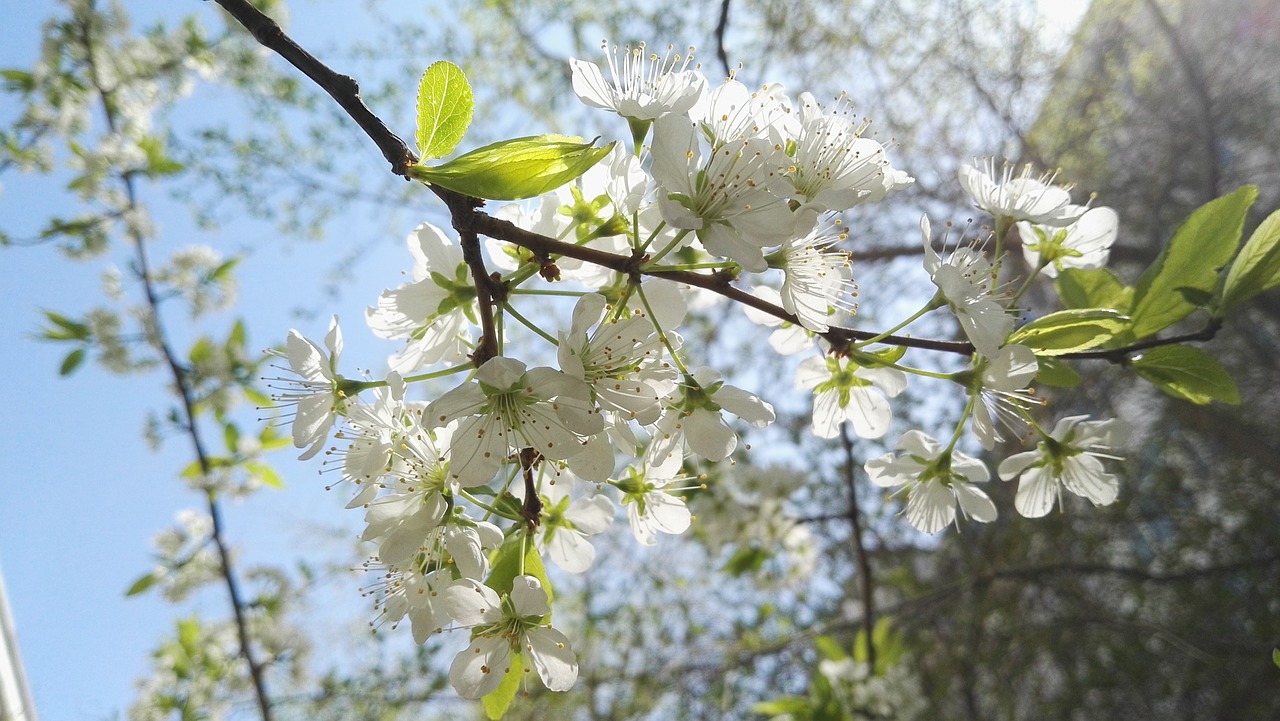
(445, 104)
(1188, 373)
(1070, 331)
(515, 169)
(1185, 274)
(1256, 269)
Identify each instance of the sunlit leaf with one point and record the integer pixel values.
(515, 169)
(445, 104)
(1187, 373)
(1188, 267)
(1257, 268)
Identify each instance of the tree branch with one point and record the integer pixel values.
(854, 515)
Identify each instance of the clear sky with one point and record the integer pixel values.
(81, 495)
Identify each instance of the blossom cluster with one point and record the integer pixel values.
(746, 186)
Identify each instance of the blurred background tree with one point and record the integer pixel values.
(1164, 603)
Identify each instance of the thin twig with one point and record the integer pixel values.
(865, 581)
(722, 26)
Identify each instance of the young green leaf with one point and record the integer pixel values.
(1187, 373)
(1200, 248)
(141, 584)
(1054, 372)
(445, 103)
(1069, 331)
(515, 169)
(499, 700)
(71, 362)
(1099, 288)
(1257, 268)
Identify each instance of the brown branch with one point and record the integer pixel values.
(1121, 355)
(722, 25)
(341, 88)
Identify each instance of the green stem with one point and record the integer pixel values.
(881, 336)
(675, 242)
(428, 376)
(666, 342)
(530, 324)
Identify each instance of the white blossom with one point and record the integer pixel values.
(1068, 457)
(846, 391)
(936, 479)
(502, 627)
(1085, 244)
(642, 86)
(1019, 197)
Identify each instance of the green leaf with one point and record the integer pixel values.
(828, 648)
(1069, 331)
(1275, 657)
(445, 103)
(265, 473)
(1257, 268)
(1200, 248)
(63, 328)
(141, 585)
(499, 700)
(746, 560)
(1187, 373)
(71, 362)
(515, 169)
(1100, 288)
(506, 565)
(794, 705)
(1054, 372)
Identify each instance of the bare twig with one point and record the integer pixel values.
(865, 581)
(722, 26)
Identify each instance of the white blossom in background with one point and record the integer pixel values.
(1019, 197)
(642, 86)
(432, 310)
(1084, 244)
(567, 523)
(936, 480)
(964, 283)
(1069, 457)
(846, 391)
(506, 626)
(787, 338)
(316, 394)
